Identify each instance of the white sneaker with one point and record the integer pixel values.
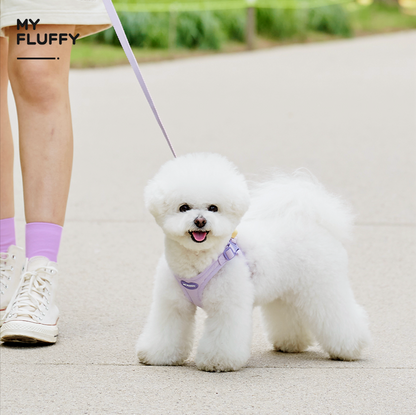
(12, 264)
(32, 315)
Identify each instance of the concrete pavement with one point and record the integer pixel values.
(345, 110)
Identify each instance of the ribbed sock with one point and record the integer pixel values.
(43, 239)
(7, 234)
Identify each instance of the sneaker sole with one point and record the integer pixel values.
(25, 332)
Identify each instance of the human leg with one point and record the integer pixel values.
(6, 140)
(11, 257)
(40, 88)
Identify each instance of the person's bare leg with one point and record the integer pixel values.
(11, 257)
(6, 140)
(40, 88)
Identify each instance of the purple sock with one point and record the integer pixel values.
(7, 234)
(43, 239)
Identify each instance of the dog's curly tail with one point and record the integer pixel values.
(299, 199)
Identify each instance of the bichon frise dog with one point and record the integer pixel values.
(288, 258)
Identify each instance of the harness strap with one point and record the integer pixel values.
(194, 287)
(118, 27)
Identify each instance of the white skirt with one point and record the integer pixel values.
(89, 16)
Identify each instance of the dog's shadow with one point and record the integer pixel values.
(272, 359)
(287, 358)
(313, 357)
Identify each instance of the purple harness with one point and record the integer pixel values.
(193, 288)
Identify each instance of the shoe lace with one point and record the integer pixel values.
(33, 293)
(4, 270)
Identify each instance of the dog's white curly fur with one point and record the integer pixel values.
(295, 266)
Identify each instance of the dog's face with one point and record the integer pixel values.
(198, 200)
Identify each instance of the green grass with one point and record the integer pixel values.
(93, 55)
(379, 18)
(211, 32)
(90, 55)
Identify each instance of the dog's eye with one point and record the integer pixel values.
(213, 208)
(184, 208)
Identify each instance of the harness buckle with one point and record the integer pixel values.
(230, 252)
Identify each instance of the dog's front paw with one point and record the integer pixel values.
(293, 345)
(220, 361)
(158, 355)
(218, 364)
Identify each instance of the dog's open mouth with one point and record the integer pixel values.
(198, 236)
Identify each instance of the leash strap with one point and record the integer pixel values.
(118, 27)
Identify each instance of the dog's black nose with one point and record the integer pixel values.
(200, 221)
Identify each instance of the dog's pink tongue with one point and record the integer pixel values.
(199, 236)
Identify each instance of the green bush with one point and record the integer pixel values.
(136, 25)
(330, 19)
(208, 30)
(281, 23)
(200, 30)
(233, 23)
(285, 24)
(156, 32)
(193, 30)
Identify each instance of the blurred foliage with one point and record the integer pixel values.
(199, 30)
(281, 23)
(379, 18)
(330, 19)
(233, 24)
(192, 30)
(210, 29)
(199, 33)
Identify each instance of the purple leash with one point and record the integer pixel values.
(118, 27)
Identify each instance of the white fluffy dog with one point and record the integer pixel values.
(294, 265)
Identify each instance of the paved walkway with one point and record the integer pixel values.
(344, 109)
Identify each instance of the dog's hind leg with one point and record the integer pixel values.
(285, 328)
(338, 323)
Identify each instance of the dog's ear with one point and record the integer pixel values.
(241, 202)
(236, 195)
(154, 199)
